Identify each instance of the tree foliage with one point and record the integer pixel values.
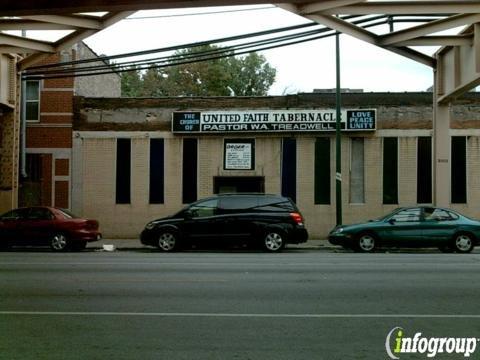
(249, 75)
(131, 83)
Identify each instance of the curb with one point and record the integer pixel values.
(132, 245)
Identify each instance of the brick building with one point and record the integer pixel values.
(46, 176)
(130, 165)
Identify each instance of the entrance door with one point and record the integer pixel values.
(30, 193)
(238, 184)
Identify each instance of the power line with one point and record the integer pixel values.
(178, 47)
(253, 45)
(201, 56)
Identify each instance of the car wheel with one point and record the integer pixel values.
(167, 241)
(463, 243)
(366, 242)
(273, 241)
(59, 242)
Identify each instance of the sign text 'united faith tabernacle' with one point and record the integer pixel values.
(272, 121)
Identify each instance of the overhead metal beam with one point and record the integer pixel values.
(77, 21)
(407, 7)
(320, 6)
(73, 38)
(458, 91)
(460, 69)
(35, 7)
(362, 34)
(5, 49)
(454, 40)
(114, 17)
(430, 28)
(345, 27)
(19, 24)
(20, 42)
(413, 55)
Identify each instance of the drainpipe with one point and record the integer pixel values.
(23, 122)
(23, 129)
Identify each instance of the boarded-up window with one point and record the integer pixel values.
(357, 171)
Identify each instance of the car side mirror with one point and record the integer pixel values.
(391, 221)
(188, 214)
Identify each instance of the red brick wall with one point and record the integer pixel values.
(58, 83)
(61, 167)
(56, 101)
(38, 137)
(56, 119)
(61, 194)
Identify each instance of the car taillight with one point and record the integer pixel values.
(297, 218)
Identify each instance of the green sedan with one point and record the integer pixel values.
(415, 227)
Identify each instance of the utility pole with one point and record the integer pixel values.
(338, 135)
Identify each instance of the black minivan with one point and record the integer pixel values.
(270, 221)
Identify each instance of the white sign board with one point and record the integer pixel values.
(239, 155)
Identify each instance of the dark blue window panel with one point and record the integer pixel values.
(322, 171)
(424, 170)
(123, 173)
(459, 170)
(390, 170)
(157, 171)
(189, 170)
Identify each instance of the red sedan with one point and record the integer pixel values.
(46, 226)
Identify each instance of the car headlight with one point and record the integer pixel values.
(339, 230)
(150, 226)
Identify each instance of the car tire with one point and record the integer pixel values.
(463, 243)
(59, 242)
(167, 241)
(273, 241)
(366, 242)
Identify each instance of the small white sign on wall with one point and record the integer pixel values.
(239, 155)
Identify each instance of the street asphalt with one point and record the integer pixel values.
(299, 304)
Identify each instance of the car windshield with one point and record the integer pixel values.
(384, 217)
(181, 212)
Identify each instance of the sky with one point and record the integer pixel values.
(300, 68)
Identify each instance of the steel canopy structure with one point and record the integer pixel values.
(456, 65)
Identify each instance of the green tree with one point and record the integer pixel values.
(252, 75)
(131, 82)
(249, 75)
(150, 83)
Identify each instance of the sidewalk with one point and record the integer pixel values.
(134, 244)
